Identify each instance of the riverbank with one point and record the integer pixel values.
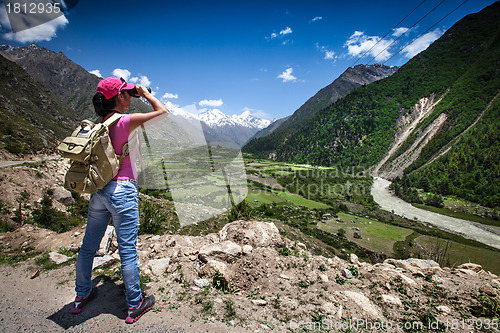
(387, 201)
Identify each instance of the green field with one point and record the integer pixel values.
(267, 197)
(377, 236)
(458, 254)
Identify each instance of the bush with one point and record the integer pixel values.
(435, 200)
(152, 219)
(50, 218)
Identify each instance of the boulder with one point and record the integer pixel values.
(414, 265)
(209, 269)
(159, 266)
(364, 303)
(470, 266)
(256, 234)
(63, 196)
(106, 241)
(105, 261)
(225, 251)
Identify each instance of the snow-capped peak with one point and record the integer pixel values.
(247, 120)
(214, 118)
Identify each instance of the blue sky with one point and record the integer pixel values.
(268, 57)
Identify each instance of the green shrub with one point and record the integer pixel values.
(48, 217)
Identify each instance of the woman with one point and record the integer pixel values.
(118, 199)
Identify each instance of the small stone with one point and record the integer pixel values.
(247, 249)
(347, 273)
(302, 246)
(202, 283)
(443, 309)
(389, 299)
(354, 259)
(286, 277)
(259, 302)
(171, 243)
(329, 308)
(323, 277)
(35, 274)
(58, 258)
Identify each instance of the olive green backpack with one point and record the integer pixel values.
(93, 159)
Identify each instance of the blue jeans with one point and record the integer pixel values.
(120, 201)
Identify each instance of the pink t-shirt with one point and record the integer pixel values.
(119, 136)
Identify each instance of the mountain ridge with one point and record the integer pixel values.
(349, 80)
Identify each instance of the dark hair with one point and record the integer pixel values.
(102, 105)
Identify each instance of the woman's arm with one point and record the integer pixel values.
(138, 119)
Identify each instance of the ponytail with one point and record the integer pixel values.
(102, 105)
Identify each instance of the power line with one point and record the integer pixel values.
(425, 31)
(388, 32)
(406, 31)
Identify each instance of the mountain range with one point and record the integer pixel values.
(432, 124)
(74, 86)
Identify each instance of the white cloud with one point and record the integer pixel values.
(169, 95)
(119, 72)
(96, 72)
(42, 32)
(317, 18)
(286, 31)
(282, 33)
(287, 75)
(329, 55)
(399, 31)
(134, 79)
(211, 103)
(422, 43)
(144, 81)
(359, 43)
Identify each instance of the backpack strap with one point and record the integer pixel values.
(113, 119)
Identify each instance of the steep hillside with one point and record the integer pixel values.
(434, 98)
(275, 124)
(33, 118)
(344, 84)
(67, 80)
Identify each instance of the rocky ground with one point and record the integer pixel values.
(246, 277)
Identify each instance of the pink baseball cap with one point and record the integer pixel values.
(111, 86)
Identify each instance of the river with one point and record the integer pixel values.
(472, 230)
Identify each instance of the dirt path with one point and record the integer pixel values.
(43, 304)
(382, 196)
(10, 163)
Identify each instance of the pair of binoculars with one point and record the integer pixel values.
(134, 93)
